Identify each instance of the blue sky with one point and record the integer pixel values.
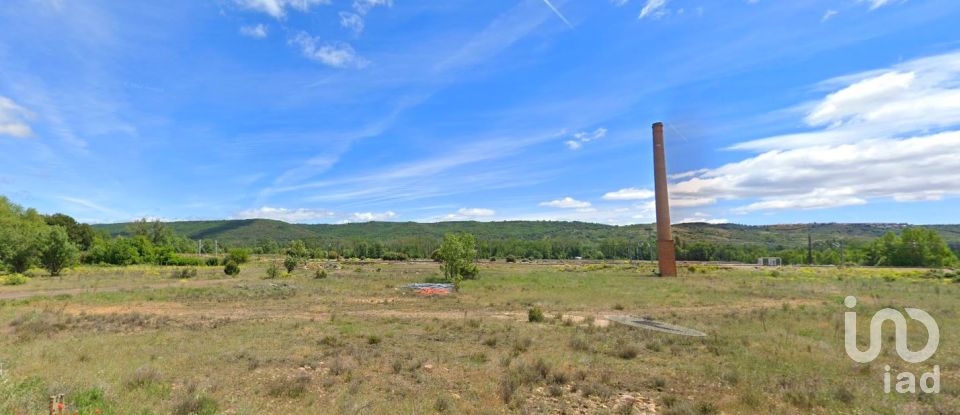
(356, 110)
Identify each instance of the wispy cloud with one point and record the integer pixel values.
(371, 216)
(364, 6)
(278, 8)
(876, 4)
(577, 140)
(13, 119)
(301, 215)
(829, 14)
(351, 21)
(557, 12)
(630, 193)
(566, 203)
(654, 8)
(258, 31)
(335, 54)
(470, 214)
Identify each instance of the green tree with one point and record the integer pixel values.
(457, 254)
(80, 234)
(57, 251)
(154, 231)
(21, 233)
(914, 247)
(290, 263)
(297, 249)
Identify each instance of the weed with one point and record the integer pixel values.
(290, 387)
(141, 378)
(626, 350)
(535, 315)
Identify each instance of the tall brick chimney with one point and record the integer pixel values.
(666, 254)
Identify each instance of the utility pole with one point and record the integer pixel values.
(809, 249)
(216, 248)
(199, 247)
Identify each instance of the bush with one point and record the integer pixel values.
(184, 273)
(238, 255)
(14, 279)
(231, 269)
(290, 263)
(184, 261)
(511, 258)
(273, 271)
(394, 256)
(212, 261)
(320, 274)
(333, 255)
(535, 315)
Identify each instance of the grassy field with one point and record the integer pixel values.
(137, 341)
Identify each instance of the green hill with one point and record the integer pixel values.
(248, 232)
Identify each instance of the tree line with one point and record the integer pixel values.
(28, 238)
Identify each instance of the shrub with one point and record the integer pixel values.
(333, 255)
(231, 269)
(627, 350)
(184, 273)
(320, 274)
(290, 263)
(192, 402)
(535, 315)
(511, 258)
(238, 255)
(273, 271)
(292, 387)
(14, 279)
(141, 378)
(212, 261)
(394, 256)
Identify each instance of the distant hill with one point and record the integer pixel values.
(248, 232)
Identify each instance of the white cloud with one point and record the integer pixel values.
(476, 212)
(654, 8)
(364, 6)
(468, 214)
(687, 202)
(258, 31)
(891, 134)
(13, 119)
(278, 8)
(578, 139)
(876, 4)
(351, 21)
(286, 215)
(619, 3)
(566, 203)
(829, 14)
(371, 216)
(700, 217)
(335, 54)
(630, 193)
